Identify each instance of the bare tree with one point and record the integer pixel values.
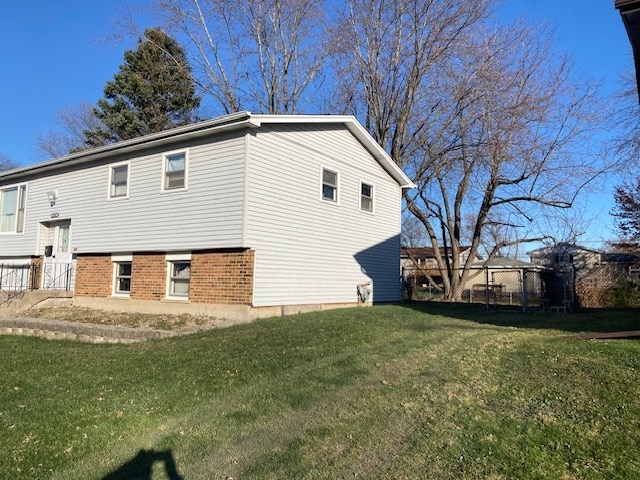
(388, 58)
(627, 145)
(626, 121)
(413, 232)
(69, 136)
(6, 163)
(263, 55)
(489, 122)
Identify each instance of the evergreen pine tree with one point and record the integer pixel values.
(627, 198)
(152, 91)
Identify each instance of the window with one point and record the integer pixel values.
(329, 185)
(12, 205)
(179, 278)
(366, 197)
(175, 169)
(119, 181)
(123, 278)
(22, 200)
(62, 240)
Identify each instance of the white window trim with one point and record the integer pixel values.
(116, 259)
(373, 198)
(122, 257)
(171, 258)
(178, 256)
(24, 213)
(338, 187)
(111, 167)
(165, 155)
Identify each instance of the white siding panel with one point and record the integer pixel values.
(207, 215)
(309, 250)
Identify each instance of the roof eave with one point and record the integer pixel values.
(229, 122)
(195, 130)
(356, 129)
(630, 13)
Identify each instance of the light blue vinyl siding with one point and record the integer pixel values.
(309, 250)
(207, 215)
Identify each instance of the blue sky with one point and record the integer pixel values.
(53, 55)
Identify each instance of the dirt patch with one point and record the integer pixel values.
(124, 319)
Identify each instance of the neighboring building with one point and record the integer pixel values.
(507, 276)
(582, 275)
(241, 216)
(498, 280)
(566, 256)
(416, 262)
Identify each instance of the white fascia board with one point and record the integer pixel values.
(355, 128)
(221, 124)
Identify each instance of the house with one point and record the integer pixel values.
(576, 273)
(565, 256)
(415, 262)
(508, 280)
(240, 217)
(503, 279)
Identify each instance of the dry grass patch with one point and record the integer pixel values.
(124, 319)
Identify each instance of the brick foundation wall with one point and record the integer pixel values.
(222, 277)
(217, 277)
(94, 276)
(148, 276)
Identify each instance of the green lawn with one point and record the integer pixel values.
(393, 392)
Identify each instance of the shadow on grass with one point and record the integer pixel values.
(587, 320)
(141, 466)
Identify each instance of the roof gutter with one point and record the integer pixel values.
(356, 129)
(230, 122)
(227, 123)
(630, 13)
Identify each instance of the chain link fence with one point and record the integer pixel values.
(561, 289)
(521, 288)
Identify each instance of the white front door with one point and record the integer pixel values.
(59, 268)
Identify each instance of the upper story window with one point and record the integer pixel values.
(175, 171)
(366, 197)
(12, 205)
(119, 181)
(329, 185)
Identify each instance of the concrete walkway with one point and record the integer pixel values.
(87, 332)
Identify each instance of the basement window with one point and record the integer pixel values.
(123, 278)
(178, 276)
(180, 279)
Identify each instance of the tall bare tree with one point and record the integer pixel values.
(627, 143)
(6, 163)
(69, 135)
(262, 55)
(488, 121)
